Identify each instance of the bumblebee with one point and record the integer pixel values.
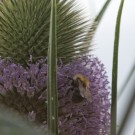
(81, 88)
(78, 92)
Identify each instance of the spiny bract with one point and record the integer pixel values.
(24, 29)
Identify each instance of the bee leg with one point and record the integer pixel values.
(70, 89)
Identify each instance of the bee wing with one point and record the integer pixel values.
(82, 89)
(85, 92)
(88, 95)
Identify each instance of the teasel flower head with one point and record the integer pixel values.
(25, 90)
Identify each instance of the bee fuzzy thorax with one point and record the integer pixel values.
(82, 79)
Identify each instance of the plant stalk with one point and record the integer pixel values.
(52, 101)
(114, 72)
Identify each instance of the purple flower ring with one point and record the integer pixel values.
(24, 90)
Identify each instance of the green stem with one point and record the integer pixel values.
(96, 21)
(127, 114)
(114, 72)
(52, 106)
(122, 89)
(102, 11)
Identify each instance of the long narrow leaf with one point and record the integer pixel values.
(52, 112)
(102, 11)
(12, 124)
(126, 81)
(96, 21)
(128, 110)
(114, 72)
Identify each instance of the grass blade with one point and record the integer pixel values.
(96, 22)
(102, 11)
(99, 17)
(126, 81)
(52, 106)
(125, 119)
(114, 72)
(13, 124)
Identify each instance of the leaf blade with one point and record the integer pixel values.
(52, 97)
(115, 71)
